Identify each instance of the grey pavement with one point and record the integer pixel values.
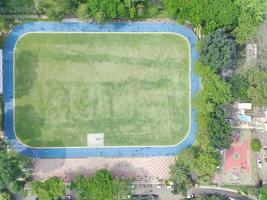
(164, 193)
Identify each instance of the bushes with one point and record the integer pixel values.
(255, 145)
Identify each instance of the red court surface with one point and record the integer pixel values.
(237, 166)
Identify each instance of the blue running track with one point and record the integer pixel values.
(78, 152)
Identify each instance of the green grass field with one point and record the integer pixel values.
(132, 87)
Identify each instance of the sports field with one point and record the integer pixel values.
(132, 87)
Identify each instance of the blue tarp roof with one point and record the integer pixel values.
(245, 118)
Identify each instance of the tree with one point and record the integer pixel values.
(83, 11)
(181, 176)
(257, 90)
(57, 9)
(218, 13)
(18, 186)
(206, 162)
(239, 88)
(9, 169)
(255, 145)
(121, 188)
(132, 12)
(103, 10)
(219, 130)
(214, 93)
(251, 14)
(218, 50)
(3, 146)
(101, 186)
(98, 187)
(52, 188)
(122, 10)
(5, 196)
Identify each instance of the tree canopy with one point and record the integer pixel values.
(57, 9)
(239, 88)
(181, 176)
(218, 13)
(215, 92)
(241, 16)
(5, 196)
(52, 188)
(219, 130)
(9, 169)
(218, 50)
(257, 90)
(101, 186)
(251, 14)
(255, 145)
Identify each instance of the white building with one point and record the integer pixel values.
(244, 106)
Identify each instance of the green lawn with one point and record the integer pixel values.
(132, 87)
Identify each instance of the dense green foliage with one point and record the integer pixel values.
(198, 161)
(219, 130)
(255, 145)
(242, 17)
(251, 14)
(5, 196)
(181, 176)
(57, 9)
(99, 10)
(239, 88)
(218, 50)
(257, 90)
(18, 186)
(52, 188)
(208, 14)
(101, 186)
(17, 7)
(9, 169)
(215, 92)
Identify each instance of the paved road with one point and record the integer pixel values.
(218, 191)
(148, 189)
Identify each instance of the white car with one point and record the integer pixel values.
(160, 186)
(190, 196)
(259, 163)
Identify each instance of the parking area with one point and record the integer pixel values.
(153, 191)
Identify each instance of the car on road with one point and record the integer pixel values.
(190, 196)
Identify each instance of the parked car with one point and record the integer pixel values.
(259, 163)
(154, 196)
(159, 186)
(190, 196)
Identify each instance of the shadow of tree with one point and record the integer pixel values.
(28, 124)
(25, 72)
